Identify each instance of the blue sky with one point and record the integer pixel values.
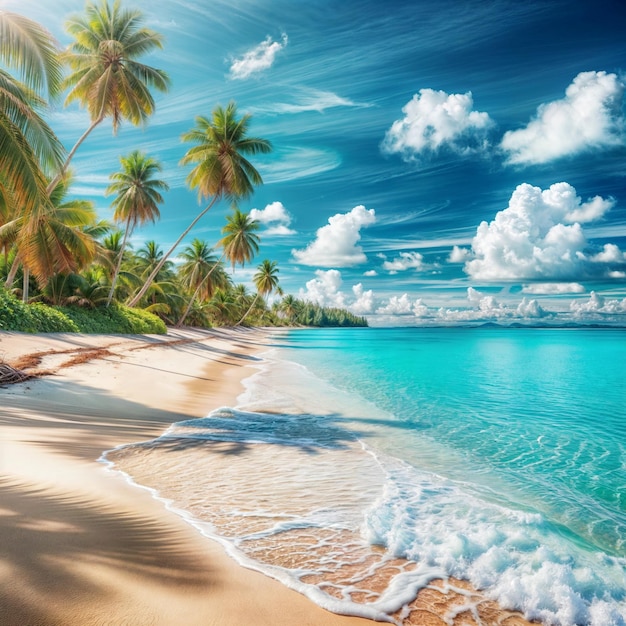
(434, 161)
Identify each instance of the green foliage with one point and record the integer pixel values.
(116, 319)
(40, 318)
(32, 318)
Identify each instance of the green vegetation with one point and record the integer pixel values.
(40, 318)
(74, 273)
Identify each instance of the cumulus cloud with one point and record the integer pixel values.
(597, 304)
(257, 59)
(364, 302)
(459, 255)
(553, 288)
(588, 117)
(406, 261)
(537, 237)
(275, 217)
(324, 289)
(396, 305)
(336, 244)
(433, 120)
(370, 273)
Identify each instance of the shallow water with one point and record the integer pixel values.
(361, 464)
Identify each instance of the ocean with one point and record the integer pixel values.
(362, 464)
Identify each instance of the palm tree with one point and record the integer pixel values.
(55, 238)
(198, 272)
(221, 169)
(265, 281)
(240, 241)
(106, 77)
(138, 194)
(290, 307)
(30, 150)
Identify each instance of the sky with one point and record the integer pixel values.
(434, 161)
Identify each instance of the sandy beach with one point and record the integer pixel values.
(80, 545)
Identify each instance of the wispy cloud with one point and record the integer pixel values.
(305, 99)
(589, 117)
(258, 59)
(294, 162)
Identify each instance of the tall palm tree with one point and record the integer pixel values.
(106, 76)
(221, 168)
(138, 194)
(30, 150)
(240, 241)
(265, 281)
(55, 238)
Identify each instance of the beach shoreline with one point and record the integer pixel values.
(81, 545)
(85, 545)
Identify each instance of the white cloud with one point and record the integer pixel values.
(306, 99)
(336, 244)
(610, 254)
(536, 237)
(406, 261)
(588, 117)
(597, 304)
(434, 119)
(325, 289)
(370, 273)
(553, 288)
(459, 255)
(364, 302)
(275, 217)
(257, 59)
(397, 305)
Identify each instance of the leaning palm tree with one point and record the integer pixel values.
(265, 281)
(137, 199)
(29, 148)
(221, 169)
(106, 76)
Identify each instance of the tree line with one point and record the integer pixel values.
(55, 250)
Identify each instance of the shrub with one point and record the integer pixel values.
(40, 318)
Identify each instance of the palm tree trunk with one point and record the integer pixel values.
(161, 263)
(181, 321)
(12, 272)
(248, 311)
(118, 265)
(57, 178)
(25, 285)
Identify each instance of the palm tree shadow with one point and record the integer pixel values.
(46, 533)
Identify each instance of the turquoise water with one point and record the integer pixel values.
(492, 455)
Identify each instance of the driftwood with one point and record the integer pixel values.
(9, 375)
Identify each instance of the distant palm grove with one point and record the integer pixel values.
(64, 269)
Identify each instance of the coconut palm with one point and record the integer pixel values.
(290, 307)
(29, 148)
(54, 239)
(202, 272)
(138, 194)
(221, 169)
(240, 241)
(265, 281)
(106, 76)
